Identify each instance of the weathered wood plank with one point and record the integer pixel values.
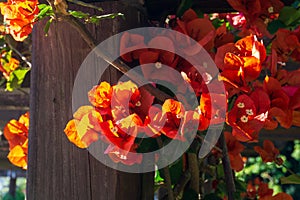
(57, 169)
(16, 100)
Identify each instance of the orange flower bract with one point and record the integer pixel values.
(100, 95)
(16, 132)
(19, 17)
(84, 129)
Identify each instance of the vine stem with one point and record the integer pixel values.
(288, 169)
(229, 180)
(166, 173)
(117, 64)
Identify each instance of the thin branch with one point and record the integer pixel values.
(179, 188)
(204, 141)
(20, 55)
(194, 169)
(117, 64)
(229, 180)
(166, 173)
(81, 3)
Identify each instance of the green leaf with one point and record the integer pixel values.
(296, 4)
(217, 22)
(158, 178)
(47, 26)
(16, 79)
(44, 10)
(184, 5)
(175, 171)
(288, 15)
(79, 14)
(292, 179)
(220, 171)
(96, 18)
(273, 26)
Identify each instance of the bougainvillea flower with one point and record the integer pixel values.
(223, 36)
(16, 131)
(122, 133)
(279, 196)
(263, 190)
(171, 120)
(241, 65)
(244, 119)
(257, 12)
(222, 51)
(200, 29)
(84, 129)
(285, 43)
(209, 114)
(125, 96)
(8, 67)
(250, 46)
(119, 155)
(158, 57)
(269, 153)
(259, 190)
(19, 17)
(174, 112)
(236, 20)
(100, 95)
(72, 134)
(265, 193)
(133, 44)
(234, 152)
(280, 111)
(293, 78)
(18, 155)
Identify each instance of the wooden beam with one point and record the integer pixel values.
(281, 134)
(16, 100)
(57, 169)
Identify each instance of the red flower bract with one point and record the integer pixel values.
(269, 153)
(246, 119)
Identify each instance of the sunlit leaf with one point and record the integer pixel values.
(16, 79)
(292, 179)
(45, 10)
(47, 26)
(273, 26)
(289, 15)
(79, 14)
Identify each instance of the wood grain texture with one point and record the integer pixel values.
(57, 169)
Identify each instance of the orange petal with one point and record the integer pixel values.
(72, 134)
(18, 157)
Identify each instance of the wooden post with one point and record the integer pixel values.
(56, 168)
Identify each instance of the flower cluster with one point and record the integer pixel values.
(16, 132)
(19, 17)
(8, 64)
(259, 189)
(122, 113)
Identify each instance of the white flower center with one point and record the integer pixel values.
(240, 105)
(244, 119)
(271, 9)
(249, 112)
(138, 103)
(158, 65)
